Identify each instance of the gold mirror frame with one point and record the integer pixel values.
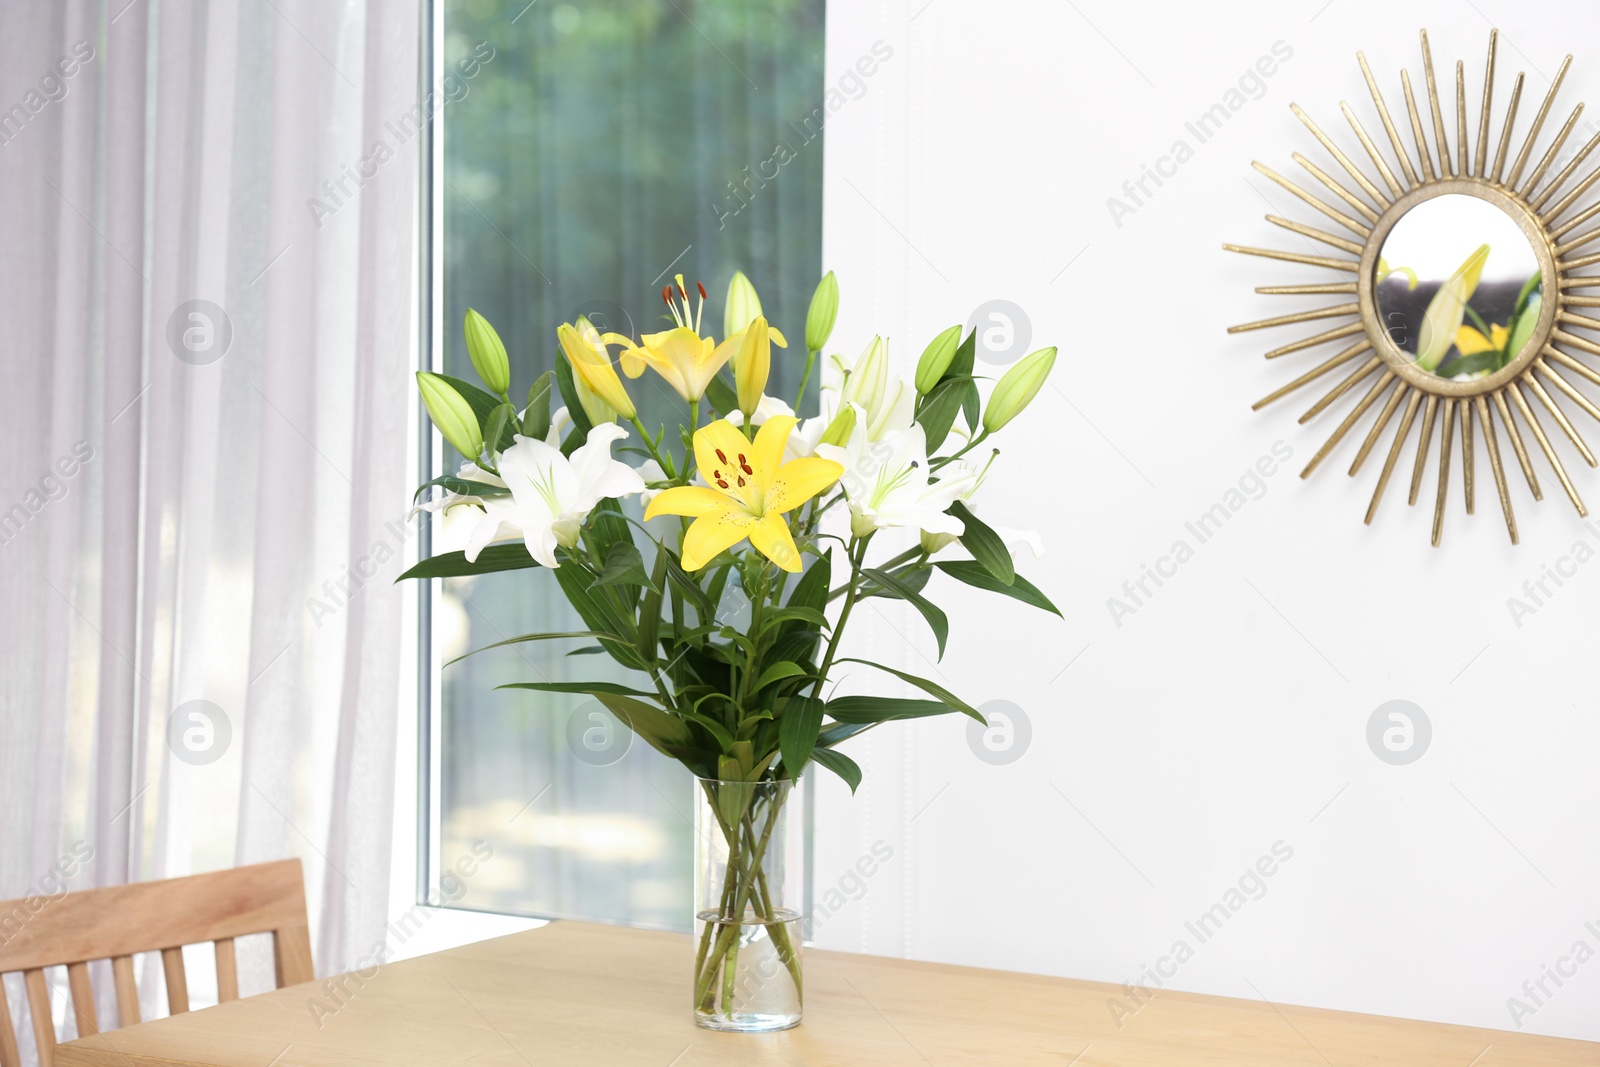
(1485, 403)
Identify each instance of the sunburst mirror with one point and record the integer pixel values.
(1462, 286)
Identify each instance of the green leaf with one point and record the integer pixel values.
(691, 588)
(777, 672)
(893, 586)
(718, 731)
(721, 395)
(913, 576)
(931, 688)
(502, 425)
(836, 732)
(650, 610)
(459, 486)
(624, 566)
(797, 732)
(525, 638)
(961, 368)
(657, 727)
(569, 396)
(507, 557)
(598, 613)
(839, 764)
(939, 409)
(976, 575)
(985, 545)
(869, 709)
(810, 616)
(811, 591)
(589, 688)
(608, 527)
(536, 416)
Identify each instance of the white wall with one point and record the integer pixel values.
(1230, 712)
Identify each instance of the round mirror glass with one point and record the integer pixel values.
(1458, 287)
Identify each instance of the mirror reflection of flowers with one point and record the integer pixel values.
(803, 518)
(1452, 347)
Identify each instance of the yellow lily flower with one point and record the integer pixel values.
(1470, 342)
(750, 491)
(1447, 309)
(591, 364)
(685, 359)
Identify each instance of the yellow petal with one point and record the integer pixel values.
(769, 444)
(1499, 334)
(717, 448)
(713, 533)
(777, 337)
(1470, 342)
(771, 538)
(692, 500)
(798, 481)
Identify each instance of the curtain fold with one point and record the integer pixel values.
(206, 285)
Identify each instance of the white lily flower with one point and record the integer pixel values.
(886, 482)
(1014, 539)
(552, 494)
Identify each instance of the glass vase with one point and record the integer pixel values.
(747, 876)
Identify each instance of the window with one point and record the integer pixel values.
(589, 152)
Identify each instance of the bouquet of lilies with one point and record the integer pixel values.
(743, 498)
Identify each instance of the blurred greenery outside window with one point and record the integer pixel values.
(593, 151)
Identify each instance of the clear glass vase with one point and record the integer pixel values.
(747, 909)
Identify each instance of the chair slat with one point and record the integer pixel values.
(291, 955)
(127, 991)
(97, 924)
(44, 1031)
(227, 971)
(82, 999)
(10, 1056)
(177, 980)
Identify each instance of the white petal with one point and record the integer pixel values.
(490, 527)
(1015, 540)
(896, 415)
(529, 464)
(541, 544)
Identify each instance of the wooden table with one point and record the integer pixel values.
(573, 994)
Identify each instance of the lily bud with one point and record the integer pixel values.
(450, 412)
(865, 384)
(742, 305)
(1446, 310)
(1017, 387)
(752, 365)
(936, 359)
(840, 429)
(823, 310)
(488, 353)
(591, 364)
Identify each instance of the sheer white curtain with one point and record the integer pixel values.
(206, 281)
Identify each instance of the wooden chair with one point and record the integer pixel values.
(118, 921)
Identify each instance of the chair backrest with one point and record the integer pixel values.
(118, 921)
